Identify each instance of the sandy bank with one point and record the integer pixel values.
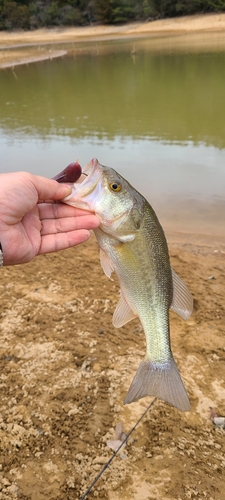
(17, 57)
(210, 22)
(31, 39)
(65, 371)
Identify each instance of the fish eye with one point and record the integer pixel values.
(115, 186)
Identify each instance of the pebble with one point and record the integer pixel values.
(73, 411)
(219, 421)
(100, 460)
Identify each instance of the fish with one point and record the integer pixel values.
(133, 245)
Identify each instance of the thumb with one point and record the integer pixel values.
(49, 189)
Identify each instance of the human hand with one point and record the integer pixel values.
(29, 226)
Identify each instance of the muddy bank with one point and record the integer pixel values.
(65, 371)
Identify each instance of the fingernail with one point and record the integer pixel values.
(67, 187)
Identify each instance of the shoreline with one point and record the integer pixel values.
(36, 46)
(48, 56)
(193, 242)
(25, 47)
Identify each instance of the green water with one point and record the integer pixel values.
(156, 116)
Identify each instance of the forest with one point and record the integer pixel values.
(29, 14)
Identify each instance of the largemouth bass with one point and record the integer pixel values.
(133, 245)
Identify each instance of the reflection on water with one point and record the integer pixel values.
(173, 97)
(157, 117)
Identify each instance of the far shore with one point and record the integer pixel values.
(30, 46)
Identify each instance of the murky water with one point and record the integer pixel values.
(157, 115)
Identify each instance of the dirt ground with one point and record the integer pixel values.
(65, 371)
(24, 47)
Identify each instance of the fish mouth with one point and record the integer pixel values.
(88, 171)
(83, 188)
(90, 176)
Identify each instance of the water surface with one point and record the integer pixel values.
(155, 115)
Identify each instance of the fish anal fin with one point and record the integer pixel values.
(160, 380)
(106, 263)
(123, 313)
(182, 302)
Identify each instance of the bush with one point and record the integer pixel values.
(13, 15)
(25, 14)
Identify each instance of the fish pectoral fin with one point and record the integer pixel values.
(106, 263)
(126, 238)
(182, 302)
(123, 313)
(161, 380)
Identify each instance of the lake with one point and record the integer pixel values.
(151, 108)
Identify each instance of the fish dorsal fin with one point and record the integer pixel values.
(182, 302)
(123, 313)
(106, 263)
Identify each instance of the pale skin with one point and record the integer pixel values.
(30, 225)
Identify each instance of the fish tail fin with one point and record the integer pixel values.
(161, 380)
